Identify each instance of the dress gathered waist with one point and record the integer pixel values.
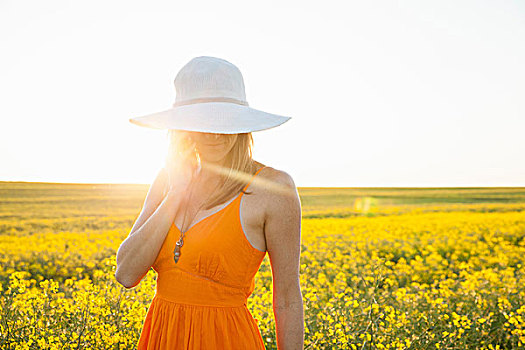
(183, 287)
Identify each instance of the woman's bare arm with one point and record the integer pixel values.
(155, 196)
(282, 230)
(139, 250)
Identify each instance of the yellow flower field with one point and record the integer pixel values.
(380, 268)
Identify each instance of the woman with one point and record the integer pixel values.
(209, 218)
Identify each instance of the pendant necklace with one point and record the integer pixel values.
(180, 242)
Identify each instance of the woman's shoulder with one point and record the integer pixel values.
(271, 182)
(277, 176)
(277, 193)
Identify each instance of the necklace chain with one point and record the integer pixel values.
(180, 242)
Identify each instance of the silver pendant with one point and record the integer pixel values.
(176, 251)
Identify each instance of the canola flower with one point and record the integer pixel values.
(434, 277)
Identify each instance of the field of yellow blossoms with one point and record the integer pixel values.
(380, 268)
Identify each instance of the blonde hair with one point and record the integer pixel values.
(238, 170)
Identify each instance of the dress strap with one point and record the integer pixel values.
(253, 177)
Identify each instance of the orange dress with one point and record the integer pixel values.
(200, 301)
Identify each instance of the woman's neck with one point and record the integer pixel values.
(210, 173)
(212, 170)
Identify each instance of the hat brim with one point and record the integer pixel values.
(213, 117)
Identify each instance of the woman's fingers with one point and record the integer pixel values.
(181, 162)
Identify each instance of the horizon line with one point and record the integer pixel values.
(326, 187)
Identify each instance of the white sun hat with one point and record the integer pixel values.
(210, 97)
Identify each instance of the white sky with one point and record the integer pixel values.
(381, 93)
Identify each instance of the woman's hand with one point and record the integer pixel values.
(180, 162)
